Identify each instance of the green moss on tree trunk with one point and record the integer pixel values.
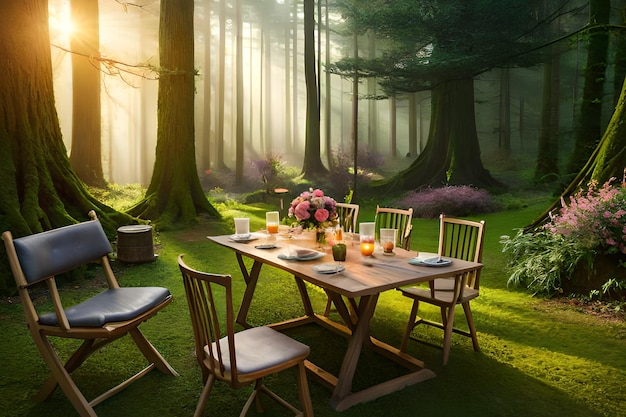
(38, 187)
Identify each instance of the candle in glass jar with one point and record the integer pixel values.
(367, 246)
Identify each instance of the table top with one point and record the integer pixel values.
(362, 275)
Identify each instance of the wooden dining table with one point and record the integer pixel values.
(355, 292)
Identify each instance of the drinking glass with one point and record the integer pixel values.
(242, 226)
(271, 222)
(388, 240)
(339, 254)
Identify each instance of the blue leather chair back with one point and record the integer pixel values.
(60, 250)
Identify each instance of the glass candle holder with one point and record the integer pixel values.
(366, 233)
(388, 240)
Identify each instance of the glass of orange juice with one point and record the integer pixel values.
(271, 222)
(339, 234)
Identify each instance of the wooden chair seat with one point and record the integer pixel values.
(439, 297)
(261, 350)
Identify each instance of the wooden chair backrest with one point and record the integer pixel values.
(393, 218)
(462, 239)
(210, 301)
(348, 216)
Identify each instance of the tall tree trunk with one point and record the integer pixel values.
(174, 194)
(393, 137)
(452, 154)
(607, 160)
(239, 140)
(328, 91)
(372, 103)
(39, 189)
(547, 168)
(295, 132)
(355, 116)
(312, 167)
(504, 131)
(205, 140)
(589, 129)
(620, 53)
(220, 104)
(267, 85)
(287, 65)
(86, 155)
(413, 132)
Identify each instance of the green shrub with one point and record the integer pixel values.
(541, 260)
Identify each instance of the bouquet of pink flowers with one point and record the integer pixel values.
(313, 210)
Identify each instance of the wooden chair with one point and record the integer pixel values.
(460, 239)
(348, 216)
(241, 358)
(97, 321)
(392, 218)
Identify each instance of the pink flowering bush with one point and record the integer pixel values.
(588, 234)
(314, 210)
(454, 200)
(595, 218)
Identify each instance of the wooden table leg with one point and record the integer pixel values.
(343, 397)
(351, 358)
(251, 279)
(347, 315)
(304, 296)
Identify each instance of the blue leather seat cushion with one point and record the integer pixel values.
(112, 305)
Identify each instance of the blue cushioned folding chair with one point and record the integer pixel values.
(98, 321)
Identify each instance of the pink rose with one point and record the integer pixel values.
(321, 215)
(302, 211)
(318, 193)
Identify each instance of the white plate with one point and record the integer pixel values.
(244, 238)
(329, 268)
(430, 261)
(302, 255)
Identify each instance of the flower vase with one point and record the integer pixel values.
(320, 238)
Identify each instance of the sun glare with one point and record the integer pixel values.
(61, 24)
(60, 21)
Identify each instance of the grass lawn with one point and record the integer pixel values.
(538, 358)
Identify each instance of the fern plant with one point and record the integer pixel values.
(540, 261)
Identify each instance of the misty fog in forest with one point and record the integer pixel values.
(274, 90)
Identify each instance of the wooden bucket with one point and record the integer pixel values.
(134, 244)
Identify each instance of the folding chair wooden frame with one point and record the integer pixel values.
(98, 321)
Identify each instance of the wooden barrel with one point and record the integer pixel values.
(134, 244)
